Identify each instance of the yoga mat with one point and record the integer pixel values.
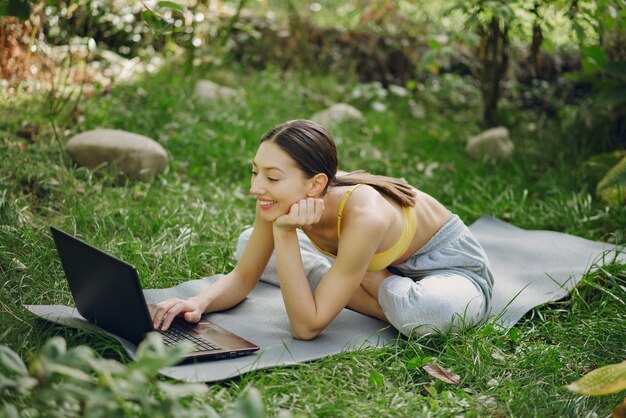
(261, 318)
(530, 268)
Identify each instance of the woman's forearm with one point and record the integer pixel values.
(295, 289)
(227, 292)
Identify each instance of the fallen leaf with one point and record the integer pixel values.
(620, 410)
(602, 381)
(430, 390)
(440, 373)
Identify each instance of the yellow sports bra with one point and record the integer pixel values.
(382, 260)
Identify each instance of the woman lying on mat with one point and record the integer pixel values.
(387, 250)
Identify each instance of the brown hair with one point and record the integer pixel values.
(314, 151)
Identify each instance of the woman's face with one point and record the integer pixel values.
(277, 182)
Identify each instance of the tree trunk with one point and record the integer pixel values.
(494, 62)
(535, 50)
(535, 45)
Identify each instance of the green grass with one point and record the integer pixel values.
(168, 230)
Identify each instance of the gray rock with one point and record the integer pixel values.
(209, 91)
(337, 114)
(135, 155)
(491, 145)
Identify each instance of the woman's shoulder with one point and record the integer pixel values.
(367, 204)
(366, 217)
(365, 195)
(356, 195)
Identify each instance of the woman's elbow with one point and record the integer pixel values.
(305, 334)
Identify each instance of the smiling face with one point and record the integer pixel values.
(277, 182)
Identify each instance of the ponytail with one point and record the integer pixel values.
(397, 189)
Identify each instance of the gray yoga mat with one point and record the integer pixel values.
(530, 268)
(260, 318)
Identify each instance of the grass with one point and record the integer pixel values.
(184, 226)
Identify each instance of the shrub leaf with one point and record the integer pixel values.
(11, 361)
(612, 188)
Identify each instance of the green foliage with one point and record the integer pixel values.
(589, 20)
(601, 15)
(127, 28)
(77, 383)
(115, 26)
(58, 382)
(608, 78)
(604, 65)
(481, 12)
(162, 19)
(18, 8)
(492, 19)
(168, 229)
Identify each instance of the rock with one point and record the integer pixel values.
(491, 145)
(338, 114)
(135, 155)
(209, 91)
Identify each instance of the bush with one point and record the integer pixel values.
(77, 383)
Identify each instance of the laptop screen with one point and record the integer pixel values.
(106, 290)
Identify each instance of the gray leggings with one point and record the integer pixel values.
(446, 285)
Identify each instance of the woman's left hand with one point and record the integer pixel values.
(305, 212)
(163, 313)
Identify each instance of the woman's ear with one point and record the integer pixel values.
(317, 185)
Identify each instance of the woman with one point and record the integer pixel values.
(397, 253)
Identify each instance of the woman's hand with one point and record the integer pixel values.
(305, 212)
(163, 313)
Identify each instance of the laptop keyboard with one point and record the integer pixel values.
(175, 335)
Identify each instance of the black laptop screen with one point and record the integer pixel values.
(106, 290)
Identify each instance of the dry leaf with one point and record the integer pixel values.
(430, 390)
(440, 373)
(620, 410)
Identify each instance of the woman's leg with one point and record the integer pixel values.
(315, 263)
(441, 302)
(365, 299)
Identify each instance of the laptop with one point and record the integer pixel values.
(107, 293)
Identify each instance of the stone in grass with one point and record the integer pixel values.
(209, 91)
(135, 155)
(338, 114)
(491, 145)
